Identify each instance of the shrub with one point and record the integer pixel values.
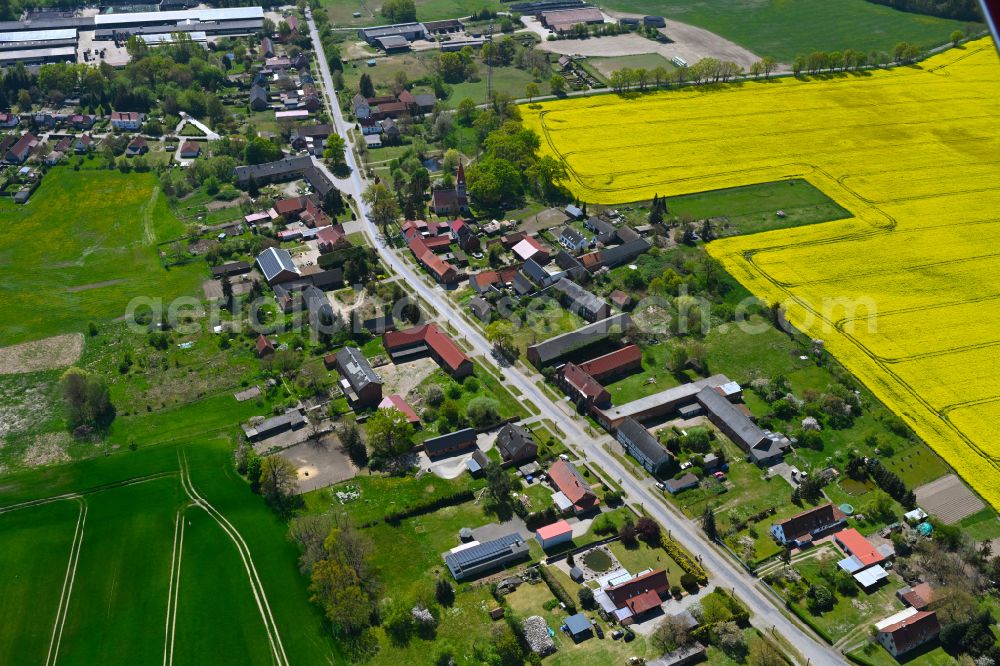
(558, 591)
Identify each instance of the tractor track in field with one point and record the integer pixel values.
(174, 585)
(90, 491)
(270, 626)
(67, 589)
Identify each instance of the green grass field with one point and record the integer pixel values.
(786, 28)
(115, 551)
(754, 208)
(342, 11)
(81, 249)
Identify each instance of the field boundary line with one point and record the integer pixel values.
(67, 589)
(256, 586)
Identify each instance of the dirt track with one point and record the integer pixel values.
(690, 43)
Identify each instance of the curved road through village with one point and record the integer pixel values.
(726, 573)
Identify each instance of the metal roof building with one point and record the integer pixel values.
(471, 559)
(38, 35)
(276, 265)
(408, 31)
(178, 16)
(57, 54)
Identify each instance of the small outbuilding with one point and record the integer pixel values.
(578, 627)
(554, 534)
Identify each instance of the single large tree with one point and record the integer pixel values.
(277, 480)
(389, 433)
(383, 207)
(87, 400)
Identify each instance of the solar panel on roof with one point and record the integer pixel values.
(484, 552)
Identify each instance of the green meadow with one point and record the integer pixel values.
(81, 248)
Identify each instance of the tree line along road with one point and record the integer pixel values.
(728, 574)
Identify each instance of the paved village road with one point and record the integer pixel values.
(727, 573)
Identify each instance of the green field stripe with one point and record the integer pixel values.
(36, 557)
(213, 589)
(121, 582)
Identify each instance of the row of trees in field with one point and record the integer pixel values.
(850, 59)
(713, 70)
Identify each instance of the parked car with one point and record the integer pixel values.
(616, 634)
(719, 475)
(660, 486)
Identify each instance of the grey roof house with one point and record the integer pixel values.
(641, 445)
(359, 382)
(553, 349)
(578, 300)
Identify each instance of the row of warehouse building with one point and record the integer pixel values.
(42, 40)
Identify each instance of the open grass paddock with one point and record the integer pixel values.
(81, 248)
(786, 28)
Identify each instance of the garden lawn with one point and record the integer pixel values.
(545, 320)
(642, 556)
(786, 28)
(849, 613)
(81, 249)
(381, 494)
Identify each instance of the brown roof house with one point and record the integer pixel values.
(264, 346)
(907, 630)
(801, 528)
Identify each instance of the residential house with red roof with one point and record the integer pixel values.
(860, 552)
(629, 600)
(126, 120)
(529, 248)
(582, 388)
(331, 237)
(402, 345)
(574, 493)
(466, 236)
(919, 596)
(395, 401)
(190, 150)
(137, 146)
(264, 346)
(21, 150)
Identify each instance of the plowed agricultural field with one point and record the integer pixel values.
(907, 292)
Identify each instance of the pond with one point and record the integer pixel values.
(597, 561)
(855, 487)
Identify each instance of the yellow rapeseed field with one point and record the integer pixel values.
(906, 293)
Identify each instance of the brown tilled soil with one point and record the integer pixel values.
(48, 354)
